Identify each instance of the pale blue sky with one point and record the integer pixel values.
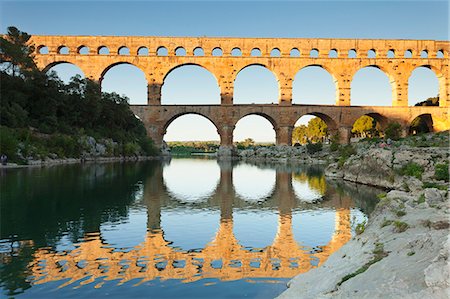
(337, 19)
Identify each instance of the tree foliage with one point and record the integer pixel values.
(365, 126)
(315, 131)
(434, 101)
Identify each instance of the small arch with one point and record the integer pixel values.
(123, 51)
(421, 124)
(162, 51)
(391, 53)
(103, 50)
(275, 52)
(199, 52)
(63, 50)
(333, 53)
(42, 49)
(294, 52)
(314, 53)
(83, 50)
(440, 54)
(258, 126)
(217, 52)
(255, 52)
(180, 51)
(236, 52)
(424, 54)
(371, 53)
(408, 53)
(142, 51)
(352, 53)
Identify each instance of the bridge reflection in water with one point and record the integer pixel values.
(95, 261)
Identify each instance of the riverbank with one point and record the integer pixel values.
(53, 162)
(402, 252)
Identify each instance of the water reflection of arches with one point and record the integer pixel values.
(224, 257)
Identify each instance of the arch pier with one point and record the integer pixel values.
(225, 58)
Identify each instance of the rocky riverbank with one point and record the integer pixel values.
(402, 252)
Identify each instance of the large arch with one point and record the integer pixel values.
(423, 83)
(303, 122)
(421, 124)
(314, 84)
(65, 70)
(371, 86)
(190, 84)
(258, 126)
(126, 79)
(256, 84)
(183, 125)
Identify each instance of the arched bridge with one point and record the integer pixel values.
(226, 57)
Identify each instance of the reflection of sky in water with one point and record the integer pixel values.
(190, 180)
(255, 228)
(304, 192)
(313, 227)
(127, 233)
(190, 229)
(252, 183)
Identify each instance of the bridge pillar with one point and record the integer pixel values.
(226, 91)
(400, 91)
(343, 84)
(154, 94)
(284, 135)
(285, 96)
(344, 135)
(444, 90)
(226, 149)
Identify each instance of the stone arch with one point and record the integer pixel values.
(391, 81)
(64, 50)
(105, 70)
(266, 117)
(381, 120)
(177, 115)
(295, 52)
(275, 52)
(83, 50)
(208, 70)
(103, 50)
(266, 68)
(438, 75)
(162, 51)
(255, 52)
(329, 121)
(180, 51)
(42, 49)
(333, 53)
(55, 63)
(324, 68)
(64, 78)
(123, 50)
(132, 75)
(236, 52)
(422, 123)
(142, 51)
(198, 51)
(217, 51)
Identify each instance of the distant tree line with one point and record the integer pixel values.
(40, 104)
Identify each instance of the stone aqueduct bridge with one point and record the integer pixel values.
(216, 56)
(95, 261)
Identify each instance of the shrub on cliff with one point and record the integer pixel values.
(441, 172)
(313, 148)
(393, 131)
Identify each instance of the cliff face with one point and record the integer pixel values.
(403, 250)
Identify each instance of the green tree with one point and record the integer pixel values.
(365, 126)
(317, 129)
(393, 131)
(299, 135)
(16, 55)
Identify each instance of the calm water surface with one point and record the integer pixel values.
(185, 228)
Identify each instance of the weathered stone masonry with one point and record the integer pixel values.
(156, 117)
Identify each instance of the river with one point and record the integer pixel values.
(184, 228)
